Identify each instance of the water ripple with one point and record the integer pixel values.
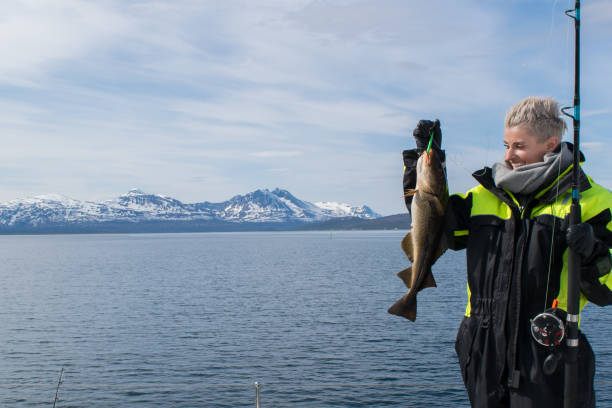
(192, 320)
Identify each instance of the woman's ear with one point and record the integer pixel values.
(552, 143)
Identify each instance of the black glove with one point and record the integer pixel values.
(581, 238)
(422, 134)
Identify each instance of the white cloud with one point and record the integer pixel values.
(597, 12)
(275, 153)
(47, 33)
(592, 145)
(596, 112)
(206, 99)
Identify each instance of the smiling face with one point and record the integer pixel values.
(523, 147)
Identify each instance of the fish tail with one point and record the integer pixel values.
(405, 307)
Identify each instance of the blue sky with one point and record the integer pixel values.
(202, 100)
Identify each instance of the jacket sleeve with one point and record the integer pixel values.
(458, 220)
(595, 272)
(410, 162)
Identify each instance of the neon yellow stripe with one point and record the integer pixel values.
(468, 308)
(541, 193)
(562, 296)
(512, 197)
(461, 233)
(484, 202)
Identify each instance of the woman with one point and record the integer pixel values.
(514, 227)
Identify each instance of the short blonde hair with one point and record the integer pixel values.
(538, 114)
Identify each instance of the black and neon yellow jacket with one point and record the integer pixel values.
(516, 254)
(501, 237)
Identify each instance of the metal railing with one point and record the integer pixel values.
(257, 395)
(258, 385)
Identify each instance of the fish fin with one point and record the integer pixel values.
(442, 246)
(429, 281)
(406, 276)
(411, 192)
(440, 251)
(405, 307)
(407, 246)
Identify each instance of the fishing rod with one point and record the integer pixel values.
(573, 259)
(59, 382)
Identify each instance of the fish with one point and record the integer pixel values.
(427, 239)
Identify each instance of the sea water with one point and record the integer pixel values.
(193, 320)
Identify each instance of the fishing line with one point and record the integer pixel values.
(552, 239)
(552, 19)
(453, 159)
(567, 36)
(568, 57)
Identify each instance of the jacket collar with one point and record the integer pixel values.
(546, 194)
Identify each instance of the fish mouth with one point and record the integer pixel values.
(428, 156)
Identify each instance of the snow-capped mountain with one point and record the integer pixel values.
(260, 206)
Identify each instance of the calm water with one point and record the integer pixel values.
(192, 320)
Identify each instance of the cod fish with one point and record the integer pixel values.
(426, 241)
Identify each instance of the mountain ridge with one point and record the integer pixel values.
(135, 210)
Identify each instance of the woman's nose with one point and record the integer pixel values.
(509, 155)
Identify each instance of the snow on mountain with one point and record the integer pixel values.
(156, 206)
(259, 206)
(267, 206)
(333, 209)
(46, 209)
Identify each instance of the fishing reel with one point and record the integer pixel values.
(548, 330)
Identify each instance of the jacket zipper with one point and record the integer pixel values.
(514, 373)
